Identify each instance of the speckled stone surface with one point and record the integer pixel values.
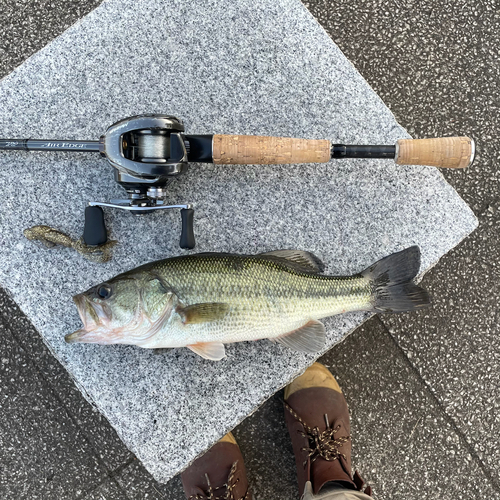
(93, 425)
(458, 355)
(43, 452)
(27, 26)
(108, 490)
(245, 68)
(435, 66)
(428, 453)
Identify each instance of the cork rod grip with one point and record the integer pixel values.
(261, 150)
(445, 152)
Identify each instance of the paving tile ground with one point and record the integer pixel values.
(422, 388)
(404, 444)
(455, 345)
(109, 490)
(139, 484)
(26, 26)
(43, 453)
(94, 426)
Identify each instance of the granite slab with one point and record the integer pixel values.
(223, 67)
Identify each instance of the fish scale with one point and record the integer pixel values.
(267, 299)
(204, 301)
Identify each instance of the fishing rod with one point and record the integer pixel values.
(149, 151)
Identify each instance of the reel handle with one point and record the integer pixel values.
(94, 230)
(95, 233)
(187, 232)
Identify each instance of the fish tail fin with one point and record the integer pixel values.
(391, 279)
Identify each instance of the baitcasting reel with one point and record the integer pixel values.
(149, 151)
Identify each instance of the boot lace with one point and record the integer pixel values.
(322, 444)
(228, 494)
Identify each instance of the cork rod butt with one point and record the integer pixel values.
(261, 150)
(444, 152)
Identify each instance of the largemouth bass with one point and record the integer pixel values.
(204, 301)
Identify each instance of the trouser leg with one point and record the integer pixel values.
(333, 493)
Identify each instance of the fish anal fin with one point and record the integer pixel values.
(209, 350)
(307, 338)
(305, 260)
(203, 313)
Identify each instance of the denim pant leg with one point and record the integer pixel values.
(333, 493)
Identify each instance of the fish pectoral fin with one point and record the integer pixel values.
(304, 260)
(203, 313)
(307, 338)
(209, 350)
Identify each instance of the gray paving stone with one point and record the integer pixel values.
(483, 246)
(435, 64)
(265, 444)
(138, 483)
(26, 26)
(93, 424)
(456, 344)
(404, 444)
(109, 490)
(372, 35)
(267, 449)
(43, 455)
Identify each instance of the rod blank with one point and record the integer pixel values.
(47, 145)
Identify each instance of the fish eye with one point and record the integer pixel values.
(104, 291)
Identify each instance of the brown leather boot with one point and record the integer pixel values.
(317, 417)
(218, 475)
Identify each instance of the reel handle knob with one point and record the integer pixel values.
(187, 232)
(94, 230)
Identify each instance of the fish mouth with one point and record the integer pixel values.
(78, 336)
(93, 316)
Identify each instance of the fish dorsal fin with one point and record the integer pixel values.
(307, 338)
(305, 260)
(209, 350)
(203, 313)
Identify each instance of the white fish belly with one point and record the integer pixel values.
(254, 321)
